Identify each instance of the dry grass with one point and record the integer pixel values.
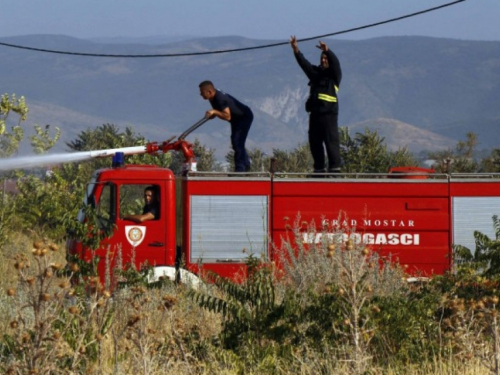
(19, 245)
(161, 331)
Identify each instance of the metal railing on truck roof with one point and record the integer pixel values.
(413, 176)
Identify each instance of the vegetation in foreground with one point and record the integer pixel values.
(333, 307)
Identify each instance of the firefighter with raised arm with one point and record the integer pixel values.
(322, 106)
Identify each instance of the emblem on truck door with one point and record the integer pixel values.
(135, 234)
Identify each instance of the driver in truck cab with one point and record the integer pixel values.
(151, 209)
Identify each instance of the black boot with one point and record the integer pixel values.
(333, 172)
(317, 173)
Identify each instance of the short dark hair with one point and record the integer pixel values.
(153, 189)
(207, 83)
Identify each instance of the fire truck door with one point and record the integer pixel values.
(141, 241)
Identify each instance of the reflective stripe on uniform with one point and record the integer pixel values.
(327, 98)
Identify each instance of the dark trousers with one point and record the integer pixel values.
(239, 133)
(324, 134)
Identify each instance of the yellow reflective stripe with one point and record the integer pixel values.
(327, 98)
(336, 88)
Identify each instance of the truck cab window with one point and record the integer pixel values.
(139, 202)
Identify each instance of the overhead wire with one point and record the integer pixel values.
(234, 49)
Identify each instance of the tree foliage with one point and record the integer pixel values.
(363, 153)
(296, 161)
(485, 259)
(458, 160)
(260, 161)
(491, 163)
(42, 202)
(250, 310)
(9, 140)
(43, 141)
(463, 158)
(367, 153)
(9, 145)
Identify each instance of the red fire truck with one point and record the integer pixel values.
(207, 219)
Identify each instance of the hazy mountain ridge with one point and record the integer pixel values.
(285, 105)
(443, 86)
(398, 134)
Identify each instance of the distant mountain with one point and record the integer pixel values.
(429, 92)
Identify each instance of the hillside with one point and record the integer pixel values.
(398, 134)
(430, 91)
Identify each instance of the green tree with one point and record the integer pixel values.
(296, 161)
(367, 153)
(106, 136)
(9, 145)
(250, 310)
(458, 160)
(42, 141)
(486, 257)
(37, 202)
(42, 202)
(9, 140)
(491, 163)
(261, 162)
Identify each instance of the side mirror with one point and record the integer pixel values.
(91, 201)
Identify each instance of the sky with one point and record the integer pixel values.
(256, 19)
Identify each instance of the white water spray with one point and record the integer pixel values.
(27, 162)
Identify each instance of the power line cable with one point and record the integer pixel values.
(235, 49)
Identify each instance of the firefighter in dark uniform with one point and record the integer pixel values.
(322, 106)
(240, 116)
